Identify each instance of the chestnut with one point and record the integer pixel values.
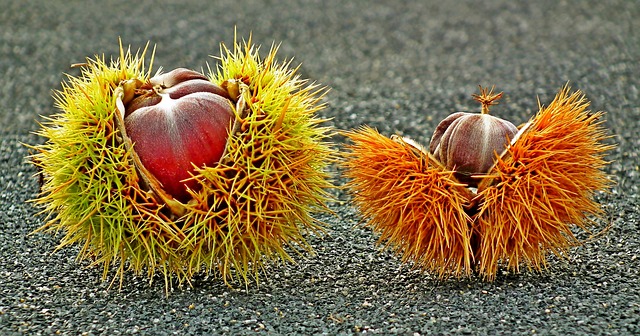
(469, 143)
(178, 121)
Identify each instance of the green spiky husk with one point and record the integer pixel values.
(253, 205)
(255, 202)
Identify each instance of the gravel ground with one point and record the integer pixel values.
(400, 67)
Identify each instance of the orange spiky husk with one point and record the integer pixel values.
(541, 187)
(524, 208)
(411, 201)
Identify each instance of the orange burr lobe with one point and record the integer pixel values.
(411, 200)
(542, 187)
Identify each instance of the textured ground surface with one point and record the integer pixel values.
(400, 67)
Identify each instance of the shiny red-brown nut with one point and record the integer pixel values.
(176, 121)
(468, 143)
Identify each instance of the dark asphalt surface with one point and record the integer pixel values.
(399, 66)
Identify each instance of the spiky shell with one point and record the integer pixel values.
(542, 187)
(524, 209)
(255, 201)
(251, 207)
(411, 200)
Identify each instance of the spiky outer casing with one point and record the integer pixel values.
(542, 187)
(411, 200)
(525, 207)
(255, 202)
(90, 189)
(250, 207)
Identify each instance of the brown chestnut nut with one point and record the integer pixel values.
(176, 121)
(469, 143)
